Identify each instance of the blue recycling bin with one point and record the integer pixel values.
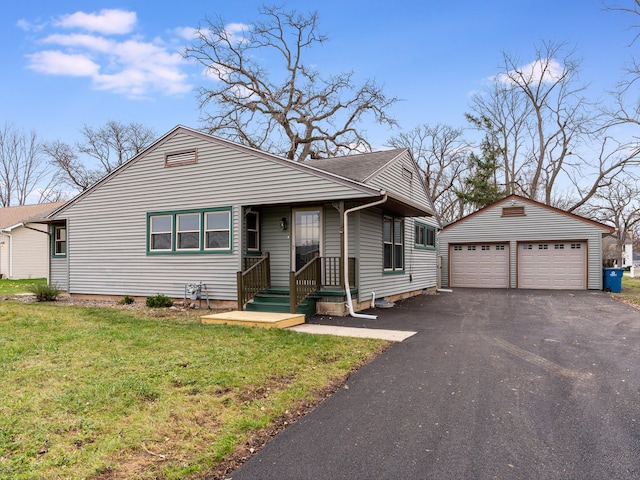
(613, 279)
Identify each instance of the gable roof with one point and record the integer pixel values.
(532, 202)
(359, 167)
(13, 216)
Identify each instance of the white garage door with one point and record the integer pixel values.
(480, 266)
(552, 265)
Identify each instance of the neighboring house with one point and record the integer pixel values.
(196, 208)
(611, 251)
(24, 245)
(521, 243)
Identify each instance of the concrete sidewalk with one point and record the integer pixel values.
(382, 334)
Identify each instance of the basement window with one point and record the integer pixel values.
(513, 211)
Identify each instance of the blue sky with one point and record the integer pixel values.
(70, 63)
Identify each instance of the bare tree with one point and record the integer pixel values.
(441, 152)
(22, 166)
(618, 204)
(547, 130)
(290, 109)
(110, 146)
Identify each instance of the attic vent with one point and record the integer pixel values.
(183, 157)
(513, 211)
(407, 174)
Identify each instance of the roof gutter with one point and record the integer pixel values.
(346, 253)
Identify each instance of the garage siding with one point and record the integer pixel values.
(538, 224)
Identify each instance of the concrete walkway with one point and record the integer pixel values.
(382, 334)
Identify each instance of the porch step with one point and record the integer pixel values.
(277, 301)
(254, 319)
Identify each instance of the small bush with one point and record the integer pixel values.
(159, 301)
(44, 292)
(127, 300)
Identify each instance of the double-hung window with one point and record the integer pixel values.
(161, 227)
(189, 231)
(188, 236)
(59, 241)
(253, 231)
(393, 243)
(425, 236)
(217, 230)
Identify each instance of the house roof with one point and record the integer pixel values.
(359, 167)
(351, 170)
(13, 216)
(532, 202)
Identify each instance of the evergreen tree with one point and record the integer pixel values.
(481, 187)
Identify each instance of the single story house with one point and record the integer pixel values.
(195, 208)
(520, 243)
(24, 246)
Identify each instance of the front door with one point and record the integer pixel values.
(307, 232)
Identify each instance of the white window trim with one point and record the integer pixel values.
(152, 233)
(178, 231)
(228, 230)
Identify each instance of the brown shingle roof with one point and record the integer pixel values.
(10, 216)
(358, 167)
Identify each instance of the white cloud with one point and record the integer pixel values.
(187, 33)
(53, 62)
(90, 42)
(540, 71)
(28, 26)
(127, 66)
(107, 21)
(236, 31)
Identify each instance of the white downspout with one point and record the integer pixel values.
(346, 254)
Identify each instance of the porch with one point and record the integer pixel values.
(321, 278)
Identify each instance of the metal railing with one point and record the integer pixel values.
(256, 278)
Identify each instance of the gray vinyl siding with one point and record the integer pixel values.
(108, 225)
(277, 243)
(393, 180)
(420, 264)
(539, 224)
(331, 231)
(59, 276)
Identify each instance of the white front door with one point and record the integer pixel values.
(307, 236)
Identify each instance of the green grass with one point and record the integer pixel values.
(11, 287)
(630, 290)
(92, 391)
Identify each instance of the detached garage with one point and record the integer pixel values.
(521, 243)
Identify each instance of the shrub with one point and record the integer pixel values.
(159, 301)
(127, 300)
(44, 292)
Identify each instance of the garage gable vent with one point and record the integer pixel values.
(513, 211)
(183, 157)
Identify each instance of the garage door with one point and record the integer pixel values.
(480, 266)
(552, 265)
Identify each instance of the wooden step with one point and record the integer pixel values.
(254, 319)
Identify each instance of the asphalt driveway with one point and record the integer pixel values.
(496, 384)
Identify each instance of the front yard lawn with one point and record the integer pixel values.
(630, 290)
(108, 393)
(10, 287)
